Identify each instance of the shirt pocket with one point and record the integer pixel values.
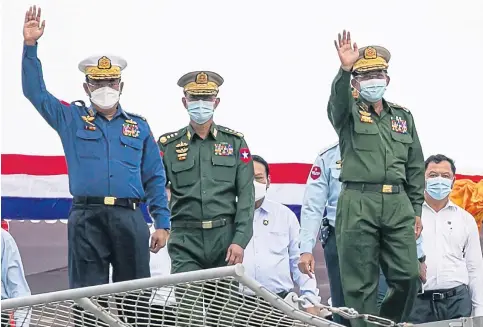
(335, 172)
(401, 143)
(133, 150)
(224, 169)
(89, 145)
(365, 136)
(279, 242)
(184, 172)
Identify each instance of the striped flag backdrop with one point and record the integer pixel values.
(36, 187)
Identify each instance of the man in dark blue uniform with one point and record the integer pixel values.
(113, 163)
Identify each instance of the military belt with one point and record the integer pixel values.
(438, 295)
(108, 201)
(205, 224)
(379, 188)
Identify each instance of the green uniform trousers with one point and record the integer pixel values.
(373, 229)
(193, 249)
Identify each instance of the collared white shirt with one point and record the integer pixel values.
(159, 265)
(273, 253)
(453, 252)
(14, 284)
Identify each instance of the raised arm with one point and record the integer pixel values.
(57, 115)
(340, 99)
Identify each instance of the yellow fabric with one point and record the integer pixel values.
(469, 196)
(209, 88)
(99, 73)
(104, 69)
(363, 65)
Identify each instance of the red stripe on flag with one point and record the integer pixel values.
(281, 173)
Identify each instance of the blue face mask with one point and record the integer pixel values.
(373, 90)
(201, 111)
(438, 187)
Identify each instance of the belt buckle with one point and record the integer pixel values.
(386, 188)
(437, 296)
(109, 200)
(207, 224)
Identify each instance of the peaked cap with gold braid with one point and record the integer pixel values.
(201, 83)
(372, 58)
(102, 67)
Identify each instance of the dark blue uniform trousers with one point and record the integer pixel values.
(332, 264)
(99, 235)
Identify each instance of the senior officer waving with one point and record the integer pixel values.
(113, 163)
(209, 166)
(379, 208)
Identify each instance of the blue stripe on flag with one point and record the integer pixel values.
(48, 209)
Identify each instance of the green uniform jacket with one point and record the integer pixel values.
(377, 149)
(214, 180)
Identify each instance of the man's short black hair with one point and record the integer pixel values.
(263, 162)
(437, 158)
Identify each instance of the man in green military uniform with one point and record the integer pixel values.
(379, 208)
(211, 173)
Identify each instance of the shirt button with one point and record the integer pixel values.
(110, 176)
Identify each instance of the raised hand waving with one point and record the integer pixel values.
(32, 28)
(348, 54)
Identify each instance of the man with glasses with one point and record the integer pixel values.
(113, 162)
(382, 175)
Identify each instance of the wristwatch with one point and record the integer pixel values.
(422, 259)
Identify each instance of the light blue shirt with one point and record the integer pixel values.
(272, 254)
(322, 193)
(13, 277)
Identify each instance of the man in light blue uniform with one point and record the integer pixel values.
(113, 163)
(14, 283)
(319, 209)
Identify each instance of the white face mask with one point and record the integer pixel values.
(105, 97)
(260, 190)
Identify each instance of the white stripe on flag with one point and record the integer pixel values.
(57, 186)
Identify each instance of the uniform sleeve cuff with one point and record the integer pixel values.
(305, 248)
(240, 240)
(160, 223)
(417, 209)
(31, 50)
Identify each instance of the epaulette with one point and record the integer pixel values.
(135, 115)
(171, 136)
(229, 131)
(328, 148)
(396, 106)
(78, 103)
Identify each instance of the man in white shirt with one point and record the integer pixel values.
(273, 253)
(454, 276)
(14, 284)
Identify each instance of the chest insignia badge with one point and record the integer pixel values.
(182, 150)
(223, 149)
(366, 119)
(399, 125)
(131, 130)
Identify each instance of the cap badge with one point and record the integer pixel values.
(370, 53)
(201, 78)
(104, 63)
